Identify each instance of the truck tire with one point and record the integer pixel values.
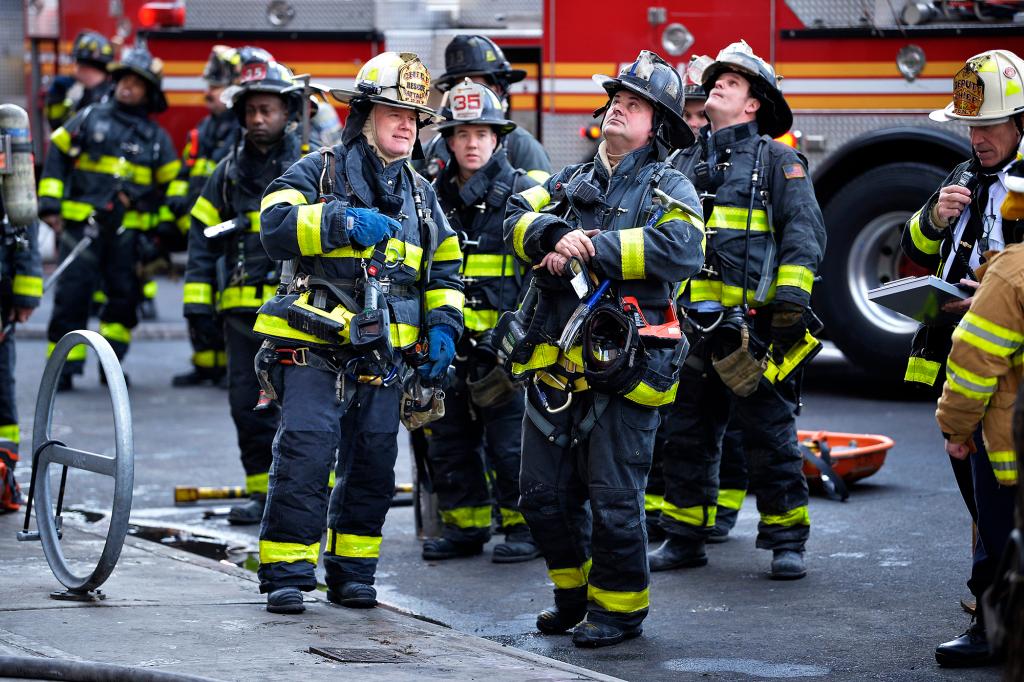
(864, 221)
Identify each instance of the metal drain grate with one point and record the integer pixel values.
(379, 655)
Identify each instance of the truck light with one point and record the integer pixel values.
(676, 39)
(910, 60)
(790, 138)
(162, 14)
(590, 132)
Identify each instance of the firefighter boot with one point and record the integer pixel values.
(285, 600)
(788, 564)
(968, 650)
(518, 546)
(569, 610)
(725, 519)
(676, 552)
(353, 595)
(443, 548)
(198, 377)
(248, 513)
(592, 635)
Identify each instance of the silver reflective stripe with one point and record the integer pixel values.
(987, 335)
(968, 384)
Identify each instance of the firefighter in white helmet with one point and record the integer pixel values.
(950, 236)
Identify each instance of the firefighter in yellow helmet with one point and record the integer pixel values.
(375, 293)
(953, 234)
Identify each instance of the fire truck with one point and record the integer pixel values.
(860, 75)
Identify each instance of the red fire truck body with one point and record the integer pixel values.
(858, 76)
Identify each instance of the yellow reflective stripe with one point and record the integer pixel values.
(184, 223)
(543, 355)
(164, 215)
(257, 483)
(307, 229)
(178, 188)
(776, 372)
(699, 516)
(714, 290)
(200, 293)
(653, 502)
(61, 138)
(115, 331)
(731, 498)
(202, 168)
(276, 326)
(800, 516)
(355, 546)
(632, 244)
(9, 433)
(27, 285)
(734, 218)
(922, 371)
(795, 276)
(537, 197)
(245, 296)
(137, 220)
(467, 517)
(923, 244)
(75, 210)
(51, 187)
(619, 602)
(292, 197)
(254, 220)
(510, 517)
(569, 578)
(168, 172)
(98, 297)
(448, 250)
(645, 394)
(969, 384)
(519, 232)
(409, 254)
(488, 265)
(539, 176)
(988, 336)
(208, 359)
(76, 354)
(435, 298)
(206, 213)
(1004, 466)
(479, 320)
(402, 335)
(1013, 206)
(116, 166)
(679, 214)
(288, 552)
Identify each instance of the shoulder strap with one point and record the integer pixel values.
(326, 186)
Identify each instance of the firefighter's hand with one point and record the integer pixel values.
(960, 307)
(124, 199)
(957, 450)
(788, 328)
(555, 263)
(20, 315)
(55, 222)
(953, 199)
(577, 244)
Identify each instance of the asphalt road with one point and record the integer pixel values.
(886, 569)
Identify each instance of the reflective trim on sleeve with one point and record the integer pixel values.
(539, 176)
(987, 336)
(254, 220)
(177, 188)
(795, 276)
(168, 172)
(537, 197)
(61, 139)
(923, 244)
(435, 298)
(115, 331)
(619, 602)
(570, 578)
(632, 244)
(307, 229)
(76, 210)
(202, 168)
(355, 546)
(257, 483)
(448, 250)
(969, 384)
(51, 187)
(798, 516)
(699, 516)
(467, 517)
(292, 197)
(519, 232)
(288, 552)
(206, 213)
(28, 285)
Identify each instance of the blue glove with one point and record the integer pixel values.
(366, 226)
(441, 350)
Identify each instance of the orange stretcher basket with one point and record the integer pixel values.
(854, 455)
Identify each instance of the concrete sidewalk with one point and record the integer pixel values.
(170, 611)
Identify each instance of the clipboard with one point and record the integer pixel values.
(920, 298)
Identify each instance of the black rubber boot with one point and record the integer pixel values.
(64, 384)
(655, 533)
(725, 519)
(788, 564)
(593, 635)
(966, 651)
(248, 513)
(285, 600)
(677, 553)
(198, 377)
(518, 546)
(435, 549)
(147, 309)
(353, 595)
(557, 621)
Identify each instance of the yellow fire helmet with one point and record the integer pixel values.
(398, 79)
(988, 90)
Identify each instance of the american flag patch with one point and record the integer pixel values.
(793, 170)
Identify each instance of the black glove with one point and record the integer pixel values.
(788, 328)
(204, 331)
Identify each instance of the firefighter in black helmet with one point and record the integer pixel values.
(478, 58)
(746, 320)
(90, 84)
(591, 411)
(107, 170)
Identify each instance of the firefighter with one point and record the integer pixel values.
(484, 409)
(105, 176)
(591, 412)
(216, 135)
(950, 236)
(233, 268)
(745, 310)
(357, 223)
(478, 58)
(90, 83)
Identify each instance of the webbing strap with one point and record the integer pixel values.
(561, 438)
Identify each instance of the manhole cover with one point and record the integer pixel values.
(357, 655)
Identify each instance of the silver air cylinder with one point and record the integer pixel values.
(17, 172)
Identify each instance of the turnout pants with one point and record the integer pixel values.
(363, 430)
(208, 352)
(110, 260)
(596, 554)
(691, 448)
(256, 429)
(994, 504)
(9, 435)
(467, 447)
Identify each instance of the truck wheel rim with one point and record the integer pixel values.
(875, 259)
